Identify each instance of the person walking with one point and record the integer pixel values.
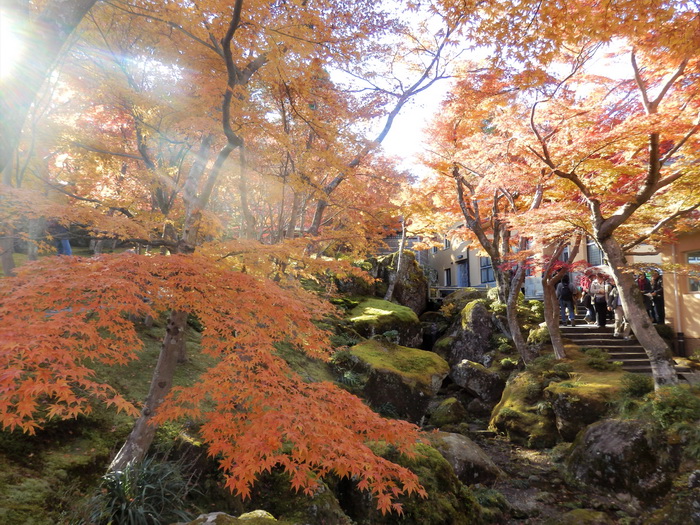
(565, 292)
(621, 328)
(598, 293)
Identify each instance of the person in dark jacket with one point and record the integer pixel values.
(644, 285)
(657, 296)
(565, 292)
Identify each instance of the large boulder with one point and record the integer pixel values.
(457, 300)
(469, 336)
(478, 381)
(448, 412)
(403, 379)
(411, 289)
(521, 417)
(577, 407)
(624, 456)
(373, 317)
(468, 460)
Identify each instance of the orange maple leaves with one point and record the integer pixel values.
(63, 315)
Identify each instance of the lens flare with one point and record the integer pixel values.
(10, 46)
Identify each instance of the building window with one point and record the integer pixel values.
(564, 257)
(486, 270)
(434, 249)
(595, 256)
(694, 277)
(448, 277)
(448, 244)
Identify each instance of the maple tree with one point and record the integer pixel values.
(180, 91)
(622, 144)
(483, 182)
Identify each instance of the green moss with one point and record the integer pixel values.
(416, 365)
(372, 310)
(449, 412)
(310, 368)
(580, 517)
(517, 416)
(449, 501)
(376, 316)
(467, 311)
(443, 345)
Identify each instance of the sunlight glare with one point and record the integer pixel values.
(10, 46)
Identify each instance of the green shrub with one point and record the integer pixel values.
(598, 359)
(539, 336)
(150, 492)
(637, 385)
(675, 404)
(689, 435)
(508, 363)
(563, 370)
(338, 340)
(536, 311)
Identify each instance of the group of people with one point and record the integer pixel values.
(601, 299)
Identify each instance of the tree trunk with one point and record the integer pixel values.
(399, 267)
(551, 317)
(141, 437)
(291, 226)
(512, 315)
(36, 228)
(662, 366)
(7, 249)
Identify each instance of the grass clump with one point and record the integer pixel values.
(151, 492)
(636, 385)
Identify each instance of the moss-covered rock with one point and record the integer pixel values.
(478, 381)
(469, 336)
(582, 517)
(521, 417)
(468, 460)
(576, 406)
(372, 317)
(404, 378)
(449, 501)
(411, 289)
(258, 517)
(456, 301)
(624, 456)
(449, 412)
